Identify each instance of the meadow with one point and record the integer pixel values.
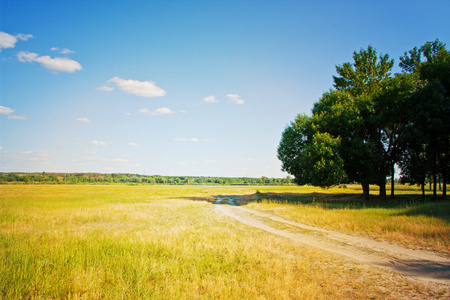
(141, 242)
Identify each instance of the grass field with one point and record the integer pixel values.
(409, 220)
(140, 242)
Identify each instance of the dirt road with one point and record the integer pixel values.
(417, 264)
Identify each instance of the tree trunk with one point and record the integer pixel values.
(445, 172)
(423, 189)
(383, 191)
(392, 181)
(444, 186)
(434, 175)
(434, 186)
(366, 190)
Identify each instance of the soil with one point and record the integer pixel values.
(420, 265)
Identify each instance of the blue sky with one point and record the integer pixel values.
(201, 88)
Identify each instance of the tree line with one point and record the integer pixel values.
(100, 178)
(372, 122)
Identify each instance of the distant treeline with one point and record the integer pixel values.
(99, 178)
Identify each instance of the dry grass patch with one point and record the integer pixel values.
(134, 242)
(409, 220)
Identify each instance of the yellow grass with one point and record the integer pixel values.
(409, 220)
(141, 242)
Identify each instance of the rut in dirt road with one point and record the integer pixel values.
(419, 264)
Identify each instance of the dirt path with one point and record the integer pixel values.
(418, 264)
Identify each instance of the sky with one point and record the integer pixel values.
(180, 88)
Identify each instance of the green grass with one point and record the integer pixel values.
(141, 242)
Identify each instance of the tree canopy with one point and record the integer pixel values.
(373, 121)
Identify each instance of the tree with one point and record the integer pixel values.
(365, 75)
(372, 121)
(362, 147)
(391, 116)
(430, 121)
(341, 139)
(292, 148)
(310, 156)
(346, 117)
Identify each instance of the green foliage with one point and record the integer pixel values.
(426, 148)
(364, 76)
(116, 178)
(323, 160)
(312, 157)
(373, 121)
(292, 147)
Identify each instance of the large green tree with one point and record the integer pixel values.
(429, 112)
(391, 116)
(310, 156)
(373, 121)
(363, 148)
(340, 138)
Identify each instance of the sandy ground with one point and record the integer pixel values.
(415, 264)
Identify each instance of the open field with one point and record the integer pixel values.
(409, 220)
(132, 242)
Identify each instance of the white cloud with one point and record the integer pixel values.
(17, 117)
(89, 158)
(24, 37)
(195, 140)
(98, 143)
(106, 88)
(157, 112)
(211, 99)
(133, 144)
(9, 41)
(84, 120)
(57, 64)
(63, 50)
(6, 110)
(119, 160)
(145, 111)
(1, 148)
(138, 88)
(26, 159)
(162, 111)
(235, 98)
